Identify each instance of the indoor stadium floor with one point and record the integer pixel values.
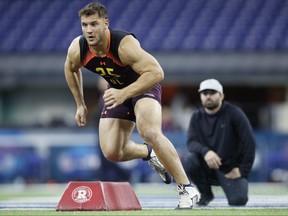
(159, 196)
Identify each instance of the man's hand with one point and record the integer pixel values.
(80, 116)
(212, 160)
(113, 97)
(234, 173)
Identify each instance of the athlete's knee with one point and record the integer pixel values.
(112, 156)
(150, 135)
(238, 200)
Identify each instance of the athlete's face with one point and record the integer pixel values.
(93, 28)
(211, 100)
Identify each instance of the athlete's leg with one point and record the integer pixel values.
(149, 121)
(114, 135)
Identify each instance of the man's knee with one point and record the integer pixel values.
(236, 190)
(113, 157)
(112, 154)
(150, 135)
(240, 200)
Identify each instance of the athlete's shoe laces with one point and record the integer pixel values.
(188, 196)
(157, 165)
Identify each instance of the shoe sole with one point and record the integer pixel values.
(204, 203)
(167, 179)
(186, 208)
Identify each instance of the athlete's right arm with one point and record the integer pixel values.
(74, 80)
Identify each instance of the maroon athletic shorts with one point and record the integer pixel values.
(126, 110)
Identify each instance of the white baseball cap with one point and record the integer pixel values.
(211, 84)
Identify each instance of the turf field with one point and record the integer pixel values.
(155, 212)
(155, 199)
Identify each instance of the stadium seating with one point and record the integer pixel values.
(161, 25)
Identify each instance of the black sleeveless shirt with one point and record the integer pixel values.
(109, 67)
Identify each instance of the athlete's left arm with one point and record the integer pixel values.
(151, 73)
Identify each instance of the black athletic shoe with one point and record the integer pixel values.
(205, 199)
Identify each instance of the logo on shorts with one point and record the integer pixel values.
(149, 95)
(82, 194)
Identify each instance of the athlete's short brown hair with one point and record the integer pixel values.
(94, 8)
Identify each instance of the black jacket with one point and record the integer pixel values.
(228, 133)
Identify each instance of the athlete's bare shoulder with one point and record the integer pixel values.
(129, 49)
(73, 53)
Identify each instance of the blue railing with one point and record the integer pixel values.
(63, 155)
